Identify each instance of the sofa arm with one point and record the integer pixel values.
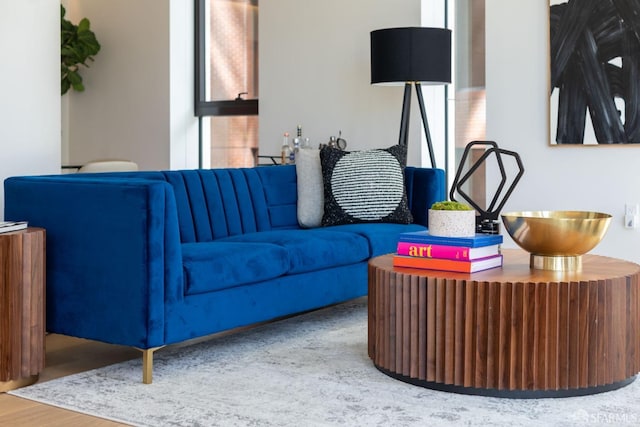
(113, 253)
(425, 186)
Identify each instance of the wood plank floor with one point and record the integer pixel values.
(64, 356)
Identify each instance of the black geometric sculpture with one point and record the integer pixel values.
(487, 220)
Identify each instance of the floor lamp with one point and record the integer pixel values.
(412, 55)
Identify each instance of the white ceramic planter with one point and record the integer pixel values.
(452, 223)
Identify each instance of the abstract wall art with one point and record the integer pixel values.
(595, 72)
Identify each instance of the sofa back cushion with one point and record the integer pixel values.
(217, 203)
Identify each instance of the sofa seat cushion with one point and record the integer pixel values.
(312, 249)
(213, 266)
(382, 237)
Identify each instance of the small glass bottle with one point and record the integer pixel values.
(297, 143)
(285, 153)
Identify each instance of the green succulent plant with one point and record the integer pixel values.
(450, 206)
(78, 44)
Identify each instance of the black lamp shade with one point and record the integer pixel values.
(412, 54)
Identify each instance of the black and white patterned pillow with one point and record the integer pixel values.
(364, 186)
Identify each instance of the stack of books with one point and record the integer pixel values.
(7, 226)
(461, 254)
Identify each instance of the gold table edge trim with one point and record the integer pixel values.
(14, 384)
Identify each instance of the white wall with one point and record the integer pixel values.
(315, 71)
(30, 88)
(137, 103)
(556, 177)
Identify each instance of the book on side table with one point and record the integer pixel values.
(448, 264)
(7, 226)
(476, 241)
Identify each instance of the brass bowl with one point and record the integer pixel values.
(556, 239)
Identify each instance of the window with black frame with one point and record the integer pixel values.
(226, 79)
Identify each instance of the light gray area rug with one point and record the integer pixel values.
(310, 370)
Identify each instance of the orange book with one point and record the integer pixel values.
(448, 264)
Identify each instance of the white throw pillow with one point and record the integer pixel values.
(310, 188)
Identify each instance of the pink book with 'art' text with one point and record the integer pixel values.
(424, 250)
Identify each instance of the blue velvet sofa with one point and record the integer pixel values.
(147, 259)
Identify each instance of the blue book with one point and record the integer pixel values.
(476, 241)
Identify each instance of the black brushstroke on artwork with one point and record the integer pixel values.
(585, 36)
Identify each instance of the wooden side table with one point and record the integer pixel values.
(510, 331)
(22, 307)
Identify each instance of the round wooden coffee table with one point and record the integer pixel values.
(510, 331)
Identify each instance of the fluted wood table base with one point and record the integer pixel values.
(22, 307)
(509, 332)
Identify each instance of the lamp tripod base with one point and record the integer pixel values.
(404, 120)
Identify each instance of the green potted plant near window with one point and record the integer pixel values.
(452, 219)
(78, 44)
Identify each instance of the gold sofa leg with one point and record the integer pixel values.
(147, 364)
